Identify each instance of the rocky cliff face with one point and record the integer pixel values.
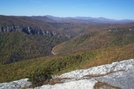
(33, 31)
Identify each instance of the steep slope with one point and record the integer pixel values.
(97, 40)
(17, 46)
(24, 37)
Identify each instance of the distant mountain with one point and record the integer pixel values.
(67, 20)
(77, 25)
(89, 20)
(54, 18)
(127, 21)
(43, 18)
(30, 25)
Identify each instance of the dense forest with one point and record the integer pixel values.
(16, 46)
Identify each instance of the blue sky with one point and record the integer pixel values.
(113, 9)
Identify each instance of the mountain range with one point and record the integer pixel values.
(31, 44)
(88, 19)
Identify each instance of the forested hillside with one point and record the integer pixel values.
(92, 49)
(97, 39)
(23, 38)
(17, 46)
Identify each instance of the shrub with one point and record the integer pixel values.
(40, 75)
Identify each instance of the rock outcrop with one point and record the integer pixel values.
(118, 75)
(33, 31)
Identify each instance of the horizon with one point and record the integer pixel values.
(77, 17)
(110, 9)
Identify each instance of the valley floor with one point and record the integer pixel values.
(118, 75)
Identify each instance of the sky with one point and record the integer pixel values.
(112, 9)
